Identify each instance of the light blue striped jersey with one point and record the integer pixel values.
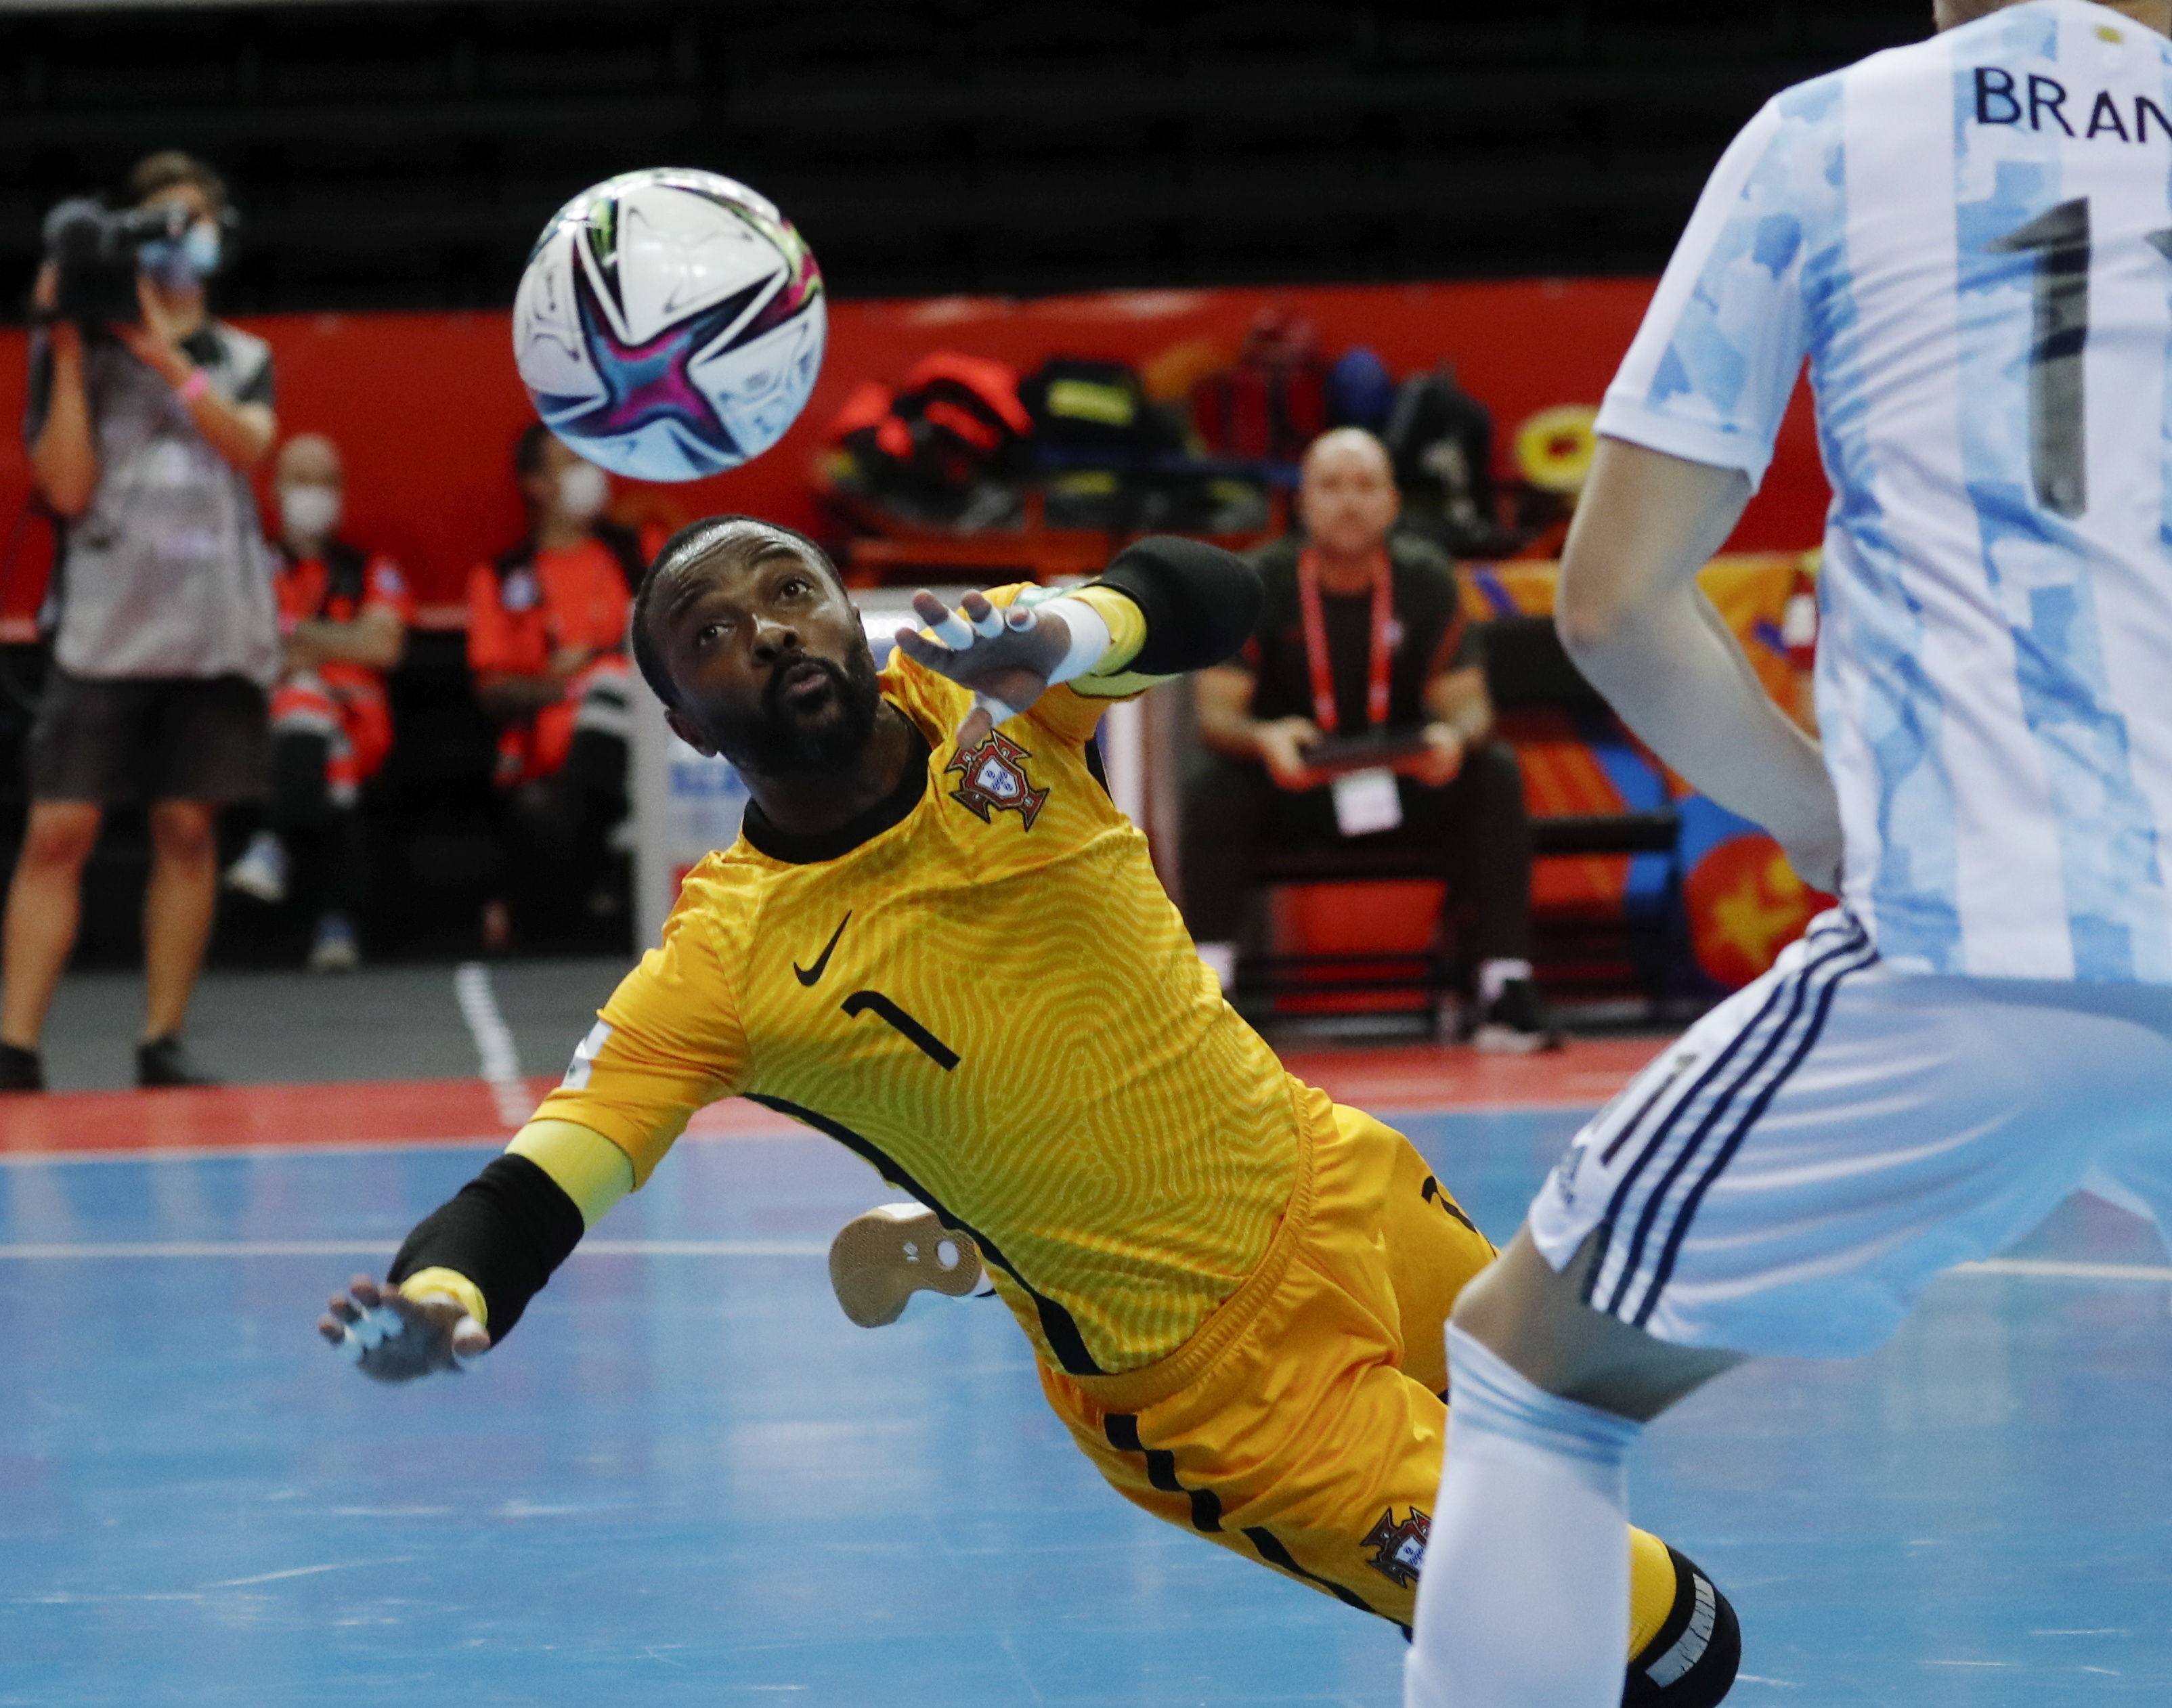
(1970, 239)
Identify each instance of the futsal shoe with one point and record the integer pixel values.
(261, 870)
(334, 949)
(879, 1261)
(1516, 1023)
(21, 1069)
(163, 1062)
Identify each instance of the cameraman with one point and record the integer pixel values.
(141, 438)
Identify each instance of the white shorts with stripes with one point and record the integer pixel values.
(1789, 1176)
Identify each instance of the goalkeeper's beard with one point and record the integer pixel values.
(778, 740)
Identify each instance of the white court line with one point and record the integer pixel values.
(60, 1252)
(2060, 1269)
(307, 1571)
(495, 1049)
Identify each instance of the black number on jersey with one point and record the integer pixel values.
(933, 1048)
(2058, 451)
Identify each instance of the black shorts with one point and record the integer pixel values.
(127, 741)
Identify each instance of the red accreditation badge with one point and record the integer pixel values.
(995, 781)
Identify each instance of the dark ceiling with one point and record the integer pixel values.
(406, 155)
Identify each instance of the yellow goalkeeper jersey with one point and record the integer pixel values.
(991, 1000)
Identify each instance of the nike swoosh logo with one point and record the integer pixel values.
(808, 976)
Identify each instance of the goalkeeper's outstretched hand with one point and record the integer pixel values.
(392, 1338)
(1005, 657)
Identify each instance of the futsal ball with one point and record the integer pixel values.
(670, 324)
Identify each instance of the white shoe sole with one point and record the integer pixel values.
(251, 882)
(879, 1261)
(1507, 1040)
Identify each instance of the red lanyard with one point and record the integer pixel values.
(1315, 642)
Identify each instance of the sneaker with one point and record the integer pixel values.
(21, 1069)
(261, 870)
(334, 950)
(1517, 1022)
(163, 1061)
(879, 1261)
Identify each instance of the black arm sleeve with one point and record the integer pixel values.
(1201, 603)
(506, 1230)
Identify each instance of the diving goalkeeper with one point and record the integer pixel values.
(938, 942)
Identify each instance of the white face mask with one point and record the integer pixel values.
(583, 490)
(309, 513)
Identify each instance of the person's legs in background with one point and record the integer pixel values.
(178, 905)
(44, 902)
(209, 747)
(593, 781)
(313, 837)
(557, 827)
(1225, 806)
(1479, 824)
(558, 832)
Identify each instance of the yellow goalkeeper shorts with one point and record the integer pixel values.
(1301, 1424)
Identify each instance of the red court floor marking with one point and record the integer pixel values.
(446, 1111)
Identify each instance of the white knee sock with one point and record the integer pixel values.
(1524, 1600)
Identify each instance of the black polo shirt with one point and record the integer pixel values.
(1431, 636)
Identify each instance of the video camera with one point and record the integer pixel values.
(97, 251)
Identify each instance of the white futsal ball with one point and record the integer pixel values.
(670, 323)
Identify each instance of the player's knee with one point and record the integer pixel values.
(60, 836)
(1691, 1659)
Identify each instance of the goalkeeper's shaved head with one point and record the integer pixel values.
(745, 631)
(730, 541)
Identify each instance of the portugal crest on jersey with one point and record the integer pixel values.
(1399, 1549)
(994, 780)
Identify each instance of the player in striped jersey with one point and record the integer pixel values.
(939, 942)
(1970, 239)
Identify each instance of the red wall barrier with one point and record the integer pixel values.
(426, 406)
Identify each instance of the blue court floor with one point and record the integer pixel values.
(687, 1479)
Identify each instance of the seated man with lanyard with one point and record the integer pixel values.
(344, 614)
(547, 641)
(1362, 634)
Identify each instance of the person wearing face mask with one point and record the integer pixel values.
(164, 635)
(344, 615)
(546, 641)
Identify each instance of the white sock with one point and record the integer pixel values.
(1523, 1602)
(1493, 974)
(1222, 959)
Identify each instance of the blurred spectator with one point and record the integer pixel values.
(345, 615)
(164, 637)
(1362, 634)
(1440, 439)
(1272, 403)
(547, 641)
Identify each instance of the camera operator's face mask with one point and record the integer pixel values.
(310, 512)
(583, 490)
(182, 265)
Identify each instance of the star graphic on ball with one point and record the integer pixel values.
(646, 383)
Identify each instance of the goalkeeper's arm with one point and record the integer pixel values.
(468, 1271)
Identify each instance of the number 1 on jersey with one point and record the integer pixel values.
(2058, 452)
